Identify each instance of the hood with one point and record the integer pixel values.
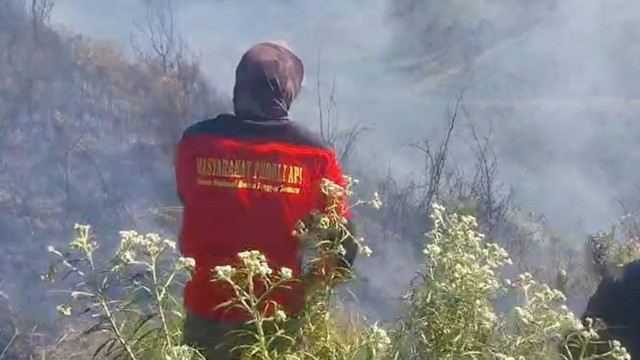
(268, 79)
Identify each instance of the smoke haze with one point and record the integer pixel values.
(554, 83)
(555, 80)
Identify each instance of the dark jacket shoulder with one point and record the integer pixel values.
(282, 131)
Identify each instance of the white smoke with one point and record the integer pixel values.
(556, 80)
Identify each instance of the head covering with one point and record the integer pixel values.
(268, 79)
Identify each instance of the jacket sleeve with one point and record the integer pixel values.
(334, 173)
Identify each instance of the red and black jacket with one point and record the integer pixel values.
(244, 184)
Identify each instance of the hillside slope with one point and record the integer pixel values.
(87, 137)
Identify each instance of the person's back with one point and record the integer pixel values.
(246, 179)
(616, 301)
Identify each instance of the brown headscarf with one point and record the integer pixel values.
(268, 79)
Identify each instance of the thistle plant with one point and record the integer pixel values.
(583, 341)
(450, 312)
(253, 281)
(131, 297)
(323, 238)
(313, 334)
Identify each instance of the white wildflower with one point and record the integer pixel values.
(224, 272)
(264, 269)
(179, 352)
(376, 203)
(286, 273)
(169, 244)
(153, 238)
(331, 188)
(251, 256)
(64, 309)
(186, 263)
(255, 262)
(380, 339)
(53, 250)
(280, 316)
(324, 222)
(127, 257)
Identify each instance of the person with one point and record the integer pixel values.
(615, 302)
(245, 179)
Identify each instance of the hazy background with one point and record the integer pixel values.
(87, 137)
(556, 81)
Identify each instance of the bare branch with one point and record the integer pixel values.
(66, 166)
(487, 170)
(320, 112)
(435, 161)
(40, 11)
(349, 142)
(624, 206)
(161, 41)
(343, 141)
